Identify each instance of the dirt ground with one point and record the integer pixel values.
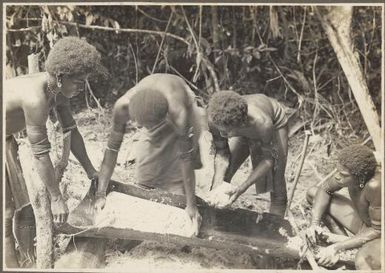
(151, 255)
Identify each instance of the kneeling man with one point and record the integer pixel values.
(359, 214)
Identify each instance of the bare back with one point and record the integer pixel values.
(178, 95)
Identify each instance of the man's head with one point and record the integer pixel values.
(70, 61)
(359, 161)
(227, 109)
(148, 107)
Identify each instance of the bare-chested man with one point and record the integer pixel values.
(257, 126)
(168, 151)
(360, 213)
(28, 100)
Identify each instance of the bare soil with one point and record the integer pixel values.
(94, 127)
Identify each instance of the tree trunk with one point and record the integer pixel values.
(336, 21)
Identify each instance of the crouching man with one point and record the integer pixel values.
(167, 152)
(359, 214)
(250, 125)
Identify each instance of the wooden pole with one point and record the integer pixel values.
(303, 154)
(33, 63)
(40, 202)
(336, 21)
(41, 205)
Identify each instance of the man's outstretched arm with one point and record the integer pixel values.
(186, 147)
(77, 143)
(36, 117)
(120, 118)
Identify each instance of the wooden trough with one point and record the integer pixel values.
(264, 235)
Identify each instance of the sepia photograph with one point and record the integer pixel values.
(147, 137)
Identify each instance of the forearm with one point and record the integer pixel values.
(320, 205)
(221, 164)
(46, 172)
(108, 165)
(261, 170)
(79, 151)
(189, 183)
(358, 240)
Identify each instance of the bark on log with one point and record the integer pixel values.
(83, 253)
(41, 205)
(336, 21)
(237, 229)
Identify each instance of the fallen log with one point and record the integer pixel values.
(83, 253)
(263, 235)
(238, 229)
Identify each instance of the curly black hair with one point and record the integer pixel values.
(360, 162)
(227, 109)
(148, 106)
(74, 56)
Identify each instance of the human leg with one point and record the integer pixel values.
(369, 256)
(25, 232)
(197, 130)
(329, 221)
(278, 196)
(24, 220)
(10, 258)
(340, 213)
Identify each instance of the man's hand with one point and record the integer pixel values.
(327, 256)
(223, 195)
(100, 202)
(59, 210)
(196, 219)
(92, 175)
(313, 232)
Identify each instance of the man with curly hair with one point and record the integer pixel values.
(167, 152)
(358, 214)
(255, 125)
(28, 101)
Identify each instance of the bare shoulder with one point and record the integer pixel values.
(26, 85)
(120, 109)
(258, 99)
(161, 78)
(173, 87)
(374, 184)
(31, 89)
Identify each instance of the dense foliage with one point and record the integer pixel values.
(281, 51)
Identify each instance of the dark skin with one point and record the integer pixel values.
(179, 112)
(356, 214)
(259, 129)
(31, 107)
